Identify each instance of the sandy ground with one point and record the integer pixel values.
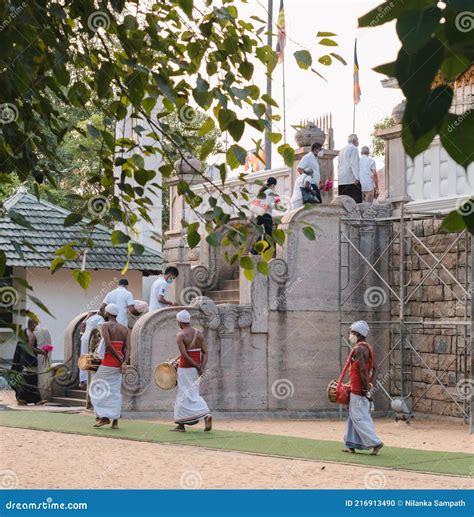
(38, 459)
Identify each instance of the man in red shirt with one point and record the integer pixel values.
(360, 430)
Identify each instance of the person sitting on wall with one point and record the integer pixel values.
(309, 164)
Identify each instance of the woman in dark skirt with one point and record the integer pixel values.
(24, 372)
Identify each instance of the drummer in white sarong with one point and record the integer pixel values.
(105, 389)
(190, 407)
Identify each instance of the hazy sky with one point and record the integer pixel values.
(307, 95)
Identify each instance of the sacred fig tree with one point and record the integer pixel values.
(144, 62)
(437, 46)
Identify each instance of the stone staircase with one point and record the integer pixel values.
(228, 292)
(72, 398)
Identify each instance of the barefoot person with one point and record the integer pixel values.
(24, 371)
(190, 407)
(105, 388)
(360, 431)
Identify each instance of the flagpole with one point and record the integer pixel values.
(284, 102)
(268, 143)
(354, 119)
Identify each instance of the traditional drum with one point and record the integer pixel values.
(89, 362)
(166, 375)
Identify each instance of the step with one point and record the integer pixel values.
(76, 394)
(230, 285)
(224, 296)
(68, 402)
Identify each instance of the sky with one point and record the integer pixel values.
(307, 95)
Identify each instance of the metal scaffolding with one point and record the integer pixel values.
(403, 355)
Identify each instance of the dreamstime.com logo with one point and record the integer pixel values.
(49, 504)
(458, 121)
(98, 20)
(465, 21)
(8, 113)
(14, 12)
(283, 389)
(383, 10)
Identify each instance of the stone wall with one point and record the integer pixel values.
(435, 377)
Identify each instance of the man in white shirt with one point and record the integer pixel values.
(159, 289)
(309, 164)
(368, 175)
(123, 298)
(348, 170)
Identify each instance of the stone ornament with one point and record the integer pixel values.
(310, 134)
(398, 111)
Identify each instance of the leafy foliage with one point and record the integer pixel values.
(435, 47)
(378, 144)
(140, 65)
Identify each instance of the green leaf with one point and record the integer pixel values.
(325, 60)
(338, 57)
(18, 218)
(236, 129)
(325, 34)
(303, 58)
(387, 69)
(118, 237)
(193, 239)
(207, 148)
(236, 156)
(56, 264)
(41, 305)
(308, 232)
(213, 239)
(93, 131)
(269, 100)
(288, 154)
(415, 71)
(83, 278)
(249, 274)
(328, 42)
(455, 222)
(279, 236)
(454, 65)
(208, 126)
(246, 263)
(457, 137)
(415, 28)
(274, 137)
(262, 267)
(414, 146)
(246, 69)
(72, 219)
(391, 10)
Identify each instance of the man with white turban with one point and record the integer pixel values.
(190, 407)
(360, 430)
(105, 389)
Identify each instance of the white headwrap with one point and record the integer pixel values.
(183, 316)
(112, 309)
(361, 327)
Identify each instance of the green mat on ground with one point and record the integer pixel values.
(436, 462)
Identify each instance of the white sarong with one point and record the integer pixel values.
(360, 430)
(189, 405)
(105, 392)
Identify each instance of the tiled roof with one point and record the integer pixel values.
(48, 234)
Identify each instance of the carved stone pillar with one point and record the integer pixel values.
(175, 244)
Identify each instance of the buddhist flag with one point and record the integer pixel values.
(281, 39)
(357, 92)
